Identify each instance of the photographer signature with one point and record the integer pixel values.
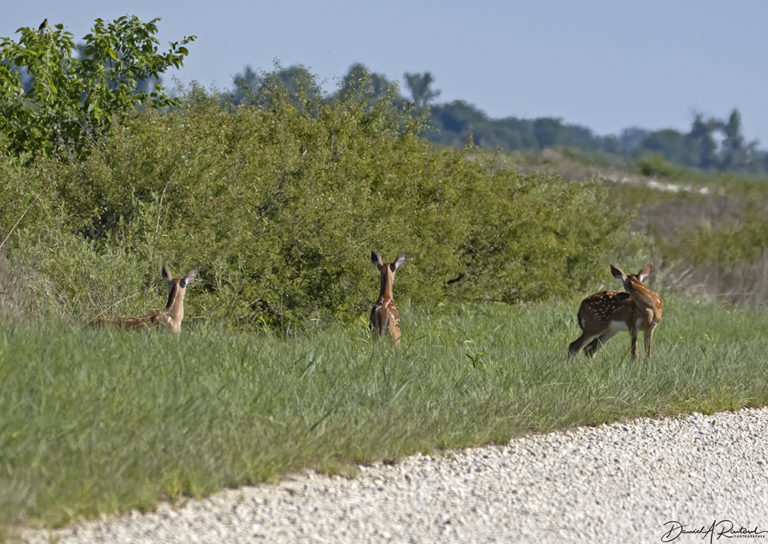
(724, 528)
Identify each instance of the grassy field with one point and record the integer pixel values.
(100, 420)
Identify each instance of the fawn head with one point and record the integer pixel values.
(387, 271)
(632, 281)
(642, 296)
(177, 287)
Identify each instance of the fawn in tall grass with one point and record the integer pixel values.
(384, 313)
(170, 316)
(605, 313)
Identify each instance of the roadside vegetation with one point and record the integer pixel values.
(280, 209)
(278, 196)
(99, 420)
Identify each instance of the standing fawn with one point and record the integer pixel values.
(605, 313)
(170, 316)
(384, 313)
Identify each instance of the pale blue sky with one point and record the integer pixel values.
(605, 64)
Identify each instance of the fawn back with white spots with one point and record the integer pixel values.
(384, 314)
(170, 316)
(605, 313)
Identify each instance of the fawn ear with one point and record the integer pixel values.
(618, 273)
(376, 259)
(400, 261)
(189, 278)
(167, 275)
(645, 272)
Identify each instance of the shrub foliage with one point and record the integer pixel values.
(280, 205)
(278, 201)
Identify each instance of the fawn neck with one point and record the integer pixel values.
(175, 306)
(387, 279)
(644, 298)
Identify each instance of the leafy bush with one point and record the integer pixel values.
(281, 205)
(654, 165)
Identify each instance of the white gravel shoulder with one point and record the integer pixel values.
(625, 482)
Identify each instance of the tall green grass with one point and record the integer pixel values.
(100, 420)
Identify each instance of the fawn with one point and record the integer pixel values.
(605, 313)
(170, 316)
(384, 313)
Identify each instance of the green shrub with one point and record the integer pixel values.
(654, 165)
(280, 206)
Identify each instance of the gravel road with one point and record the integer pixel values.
(641, 481)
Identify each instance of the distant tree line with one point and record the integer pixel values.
(710, 144)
